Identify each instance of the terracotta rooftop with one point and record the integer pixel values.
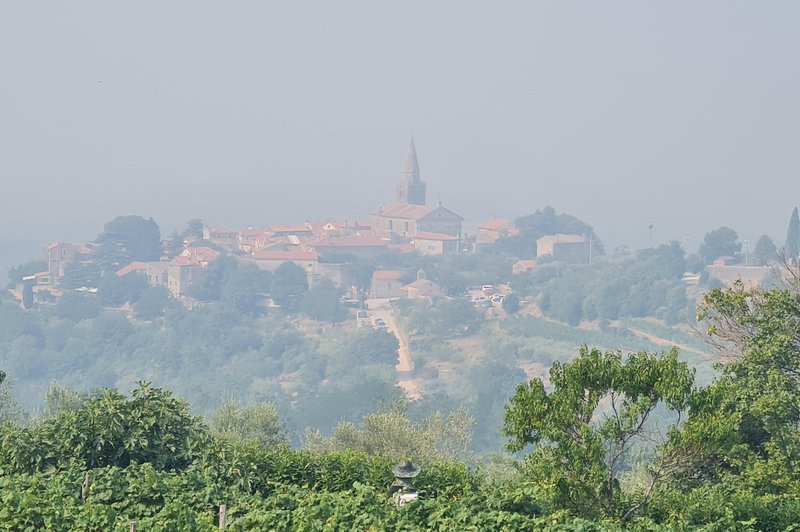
(411, 212)
(493, 224)
(286, 255)
(387, 275)
(290, 228)
(434, 236)
(132, 267)
(563, 239)
(351, 241)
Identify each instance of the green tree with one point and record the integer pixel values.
(77, 306)
(10, 410)
(792, 246)
(244, 287)
(374, 347)
(393, 434)
(580, 452)
(722, 242)
(743, 428)
(16, 273)
(194, 229)
(289, 285)
(322, 303)
(27, 295)
(110, 430)
(764, 251)
(152, 303)
(126, 239)
(175, 244)
(113, 290)
(257, 423)
(545, 222)
(511, 304)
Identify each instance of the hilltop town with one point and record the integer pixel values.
(323, 249)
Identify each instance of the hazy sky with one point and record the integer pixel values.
(684, 115)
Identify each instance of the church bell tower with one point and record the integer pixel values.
(411, 190)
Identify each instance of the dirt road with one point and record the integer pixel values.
(381, 308)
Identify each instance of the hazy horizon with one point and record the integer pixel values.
(623, 114)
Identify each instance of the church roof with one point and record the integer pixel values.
(410, 211)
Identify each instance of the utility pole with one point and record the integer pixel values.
(650, 229)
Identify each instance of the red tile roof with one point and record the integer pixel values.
(493, 224)
(387, 275)
(202, 253)
(185, 261)
(411, 212)
(434, 236)
(563, 239)
(290, 228)
(218, 230)
(351, 241)
(286, 255)
(132, 267)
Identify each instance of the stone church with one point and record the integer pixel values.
(411, 215)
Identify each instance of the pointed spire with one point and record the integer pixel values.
(411, 170)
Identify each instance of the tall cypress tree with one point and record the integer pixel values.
(792, 247)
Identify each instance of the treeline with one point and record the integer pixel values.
(645, 284)
(727, 458)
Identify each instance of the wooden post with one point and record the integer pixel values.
(223, 511)
(85, 488)
(133, 526)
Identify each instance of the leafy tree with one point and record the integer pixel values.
(393, 434)
(257, 423)
(152, 303)
(545, 222)
(194, 229)
(126, 239)
(77, 306)
(289, 285)
(239, 286)
(81, 275)
(580, 452)
(722, 242)
(10, 410)
(792, 246)
(322, 303)
(244, 287)
(113, 290)
(445, 318)
(175, 244)
(110, 430)
(16, 273)
(511, 304)
(374, 347)
(62, 399)
(210, 285)
(744, 426)
(764, 251)
(27, 295)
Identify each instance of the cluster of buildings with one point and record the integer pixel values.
(323, 248)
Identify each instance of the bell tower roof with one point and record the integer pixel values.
(411, 169)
